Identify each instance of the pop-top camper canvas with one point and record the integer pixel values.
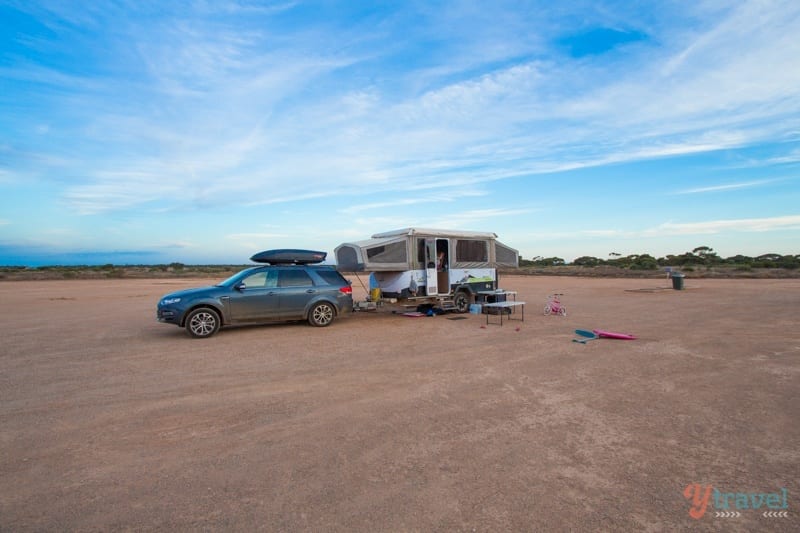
(428, 262)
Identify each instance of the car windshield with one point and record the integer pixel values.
(236, 277)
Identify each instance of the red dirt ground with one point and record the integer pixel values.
(110, 420)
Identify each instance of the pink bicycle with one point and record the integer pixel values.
(553, 306)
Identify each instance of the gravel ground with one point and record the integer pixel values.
(110, 420)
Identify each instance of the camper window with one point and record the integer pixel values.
(390, 253)
(346, 257)
(469, 251)
(505, 255)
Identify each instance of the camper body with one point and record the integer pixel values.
(420, 266)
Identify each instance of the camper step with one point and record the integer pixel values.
(448, 305)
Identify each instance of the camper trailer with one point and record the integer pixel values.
(419, 265)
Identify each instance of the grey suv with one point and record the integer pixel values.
(276, 292)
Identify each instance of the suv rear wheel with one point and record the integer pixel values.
(321, 314)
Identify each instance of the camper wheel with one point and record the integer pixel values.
(461, 301)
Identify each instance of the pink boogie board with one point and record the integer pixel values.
(612, 335)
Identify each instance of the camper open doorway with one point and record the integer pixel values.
(442, 266)
(434, 258)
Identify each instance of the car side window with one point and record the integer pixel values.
(272, 279)
(294, 278)
(331, 277)
(255, 281)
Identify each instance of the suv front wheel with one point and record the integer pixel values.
(202, 323)
(321, 314)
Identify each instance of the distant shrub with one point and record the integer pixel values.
(644, 265)
(586, 261)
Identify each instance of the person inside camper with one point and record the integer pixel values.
(441, 256)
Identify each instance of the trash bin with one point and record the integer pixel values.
(677, 281)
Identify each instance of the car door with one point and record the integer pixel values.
(256, 297)
(296, 289)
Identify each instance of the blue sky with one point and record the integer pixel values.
(204, 131)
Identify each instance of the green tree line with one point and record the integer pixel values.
(700, 256)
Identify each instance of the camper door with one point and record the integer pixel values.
(431, 285)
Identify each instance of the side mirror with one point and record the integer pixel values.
(240, 286)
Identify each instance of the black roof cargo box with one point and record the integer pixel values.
(289, 257)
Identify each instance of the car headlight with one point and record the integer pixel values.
(170, 301)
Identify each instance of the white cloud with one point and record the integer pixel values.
(259, 114)
(467, 219)
(249, 236)
(438, 198)
(121, 190)
(671, 229)
(250, 242)
(788, 222)
(727, 187)
(787, 159)
(179, 245)
(602, 233)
